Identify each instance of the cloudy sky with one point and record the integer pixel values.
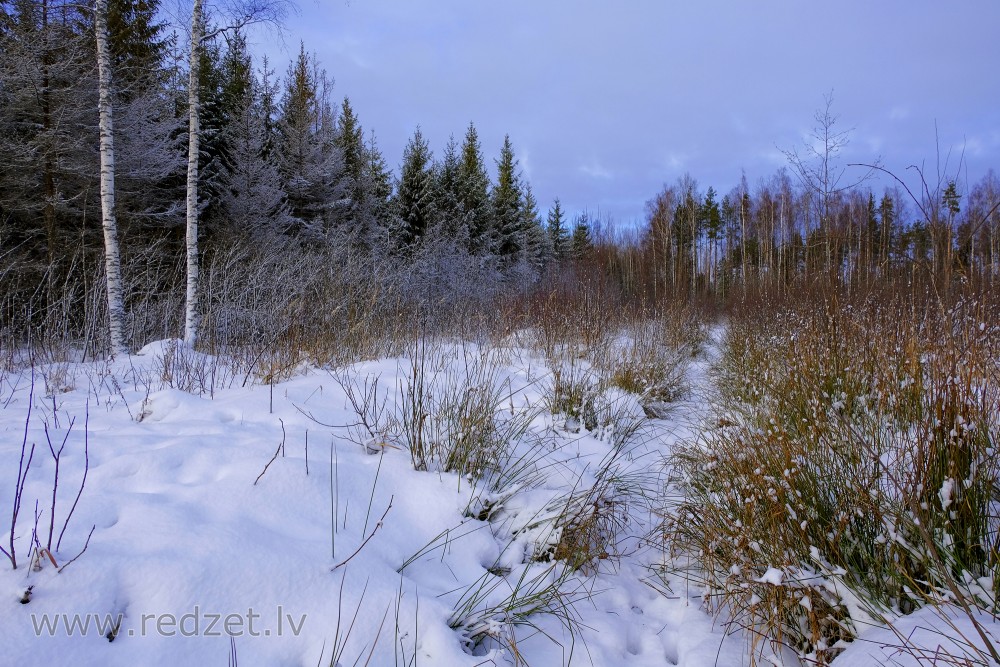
(605, 101)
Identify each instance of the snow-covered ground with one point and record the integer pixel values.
(340, 552)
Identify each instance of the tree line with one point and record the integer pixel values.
(178, 150)
(817, 218)
(780, 231)
(276, 157)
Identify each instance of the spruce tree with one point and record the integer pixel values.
(507, 200)
(872, 236)
(887, 224)
(253, 199)
(415, 195)
(581, 242)
(474, 186)
(447, 193)
(538, 246)
(379, 178)
(686, 228)
(137, 47)
(148, 110)
(349, 139)
(48, 120)
(711, 216)
(558, 232)
(711, 222)
(309, 162)
(237, 77)
(297, 125)
(951, 200)
(212, 156)
(269, 111)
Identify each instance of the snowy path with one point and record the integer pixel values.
(184, 541)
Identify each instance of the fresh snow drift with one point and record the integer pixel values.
(301, 568)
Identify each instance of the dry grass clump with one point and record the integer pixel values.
(592, 343)
(573, 389)
(551, 547)
(595, 524)
(453, 410)
(852, 475)
(651, 355)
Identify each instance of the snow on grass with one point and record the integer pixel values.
(301, 568)
(933, 635)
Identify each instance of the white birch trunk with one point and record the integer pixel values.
(191, 323)
(112, 259)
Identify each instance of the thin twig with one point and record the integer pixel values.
(85, 545)
(57, 456)
(280, 448)
(367, 539)
(371, 498)
(86, 469)
(22, 476)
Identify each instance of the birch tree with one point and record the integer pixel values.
(240, 15)
(820, 171)
(191, 305)
(112, 259)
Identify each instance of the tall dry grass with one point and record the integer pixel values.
(852, 473)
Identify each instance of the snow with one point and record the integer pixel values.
(299, 568)
(773, 576)
(941, 636)
(945, 493)
(265, 519)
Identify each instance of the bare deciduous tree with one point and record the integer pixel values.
(819, 170)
